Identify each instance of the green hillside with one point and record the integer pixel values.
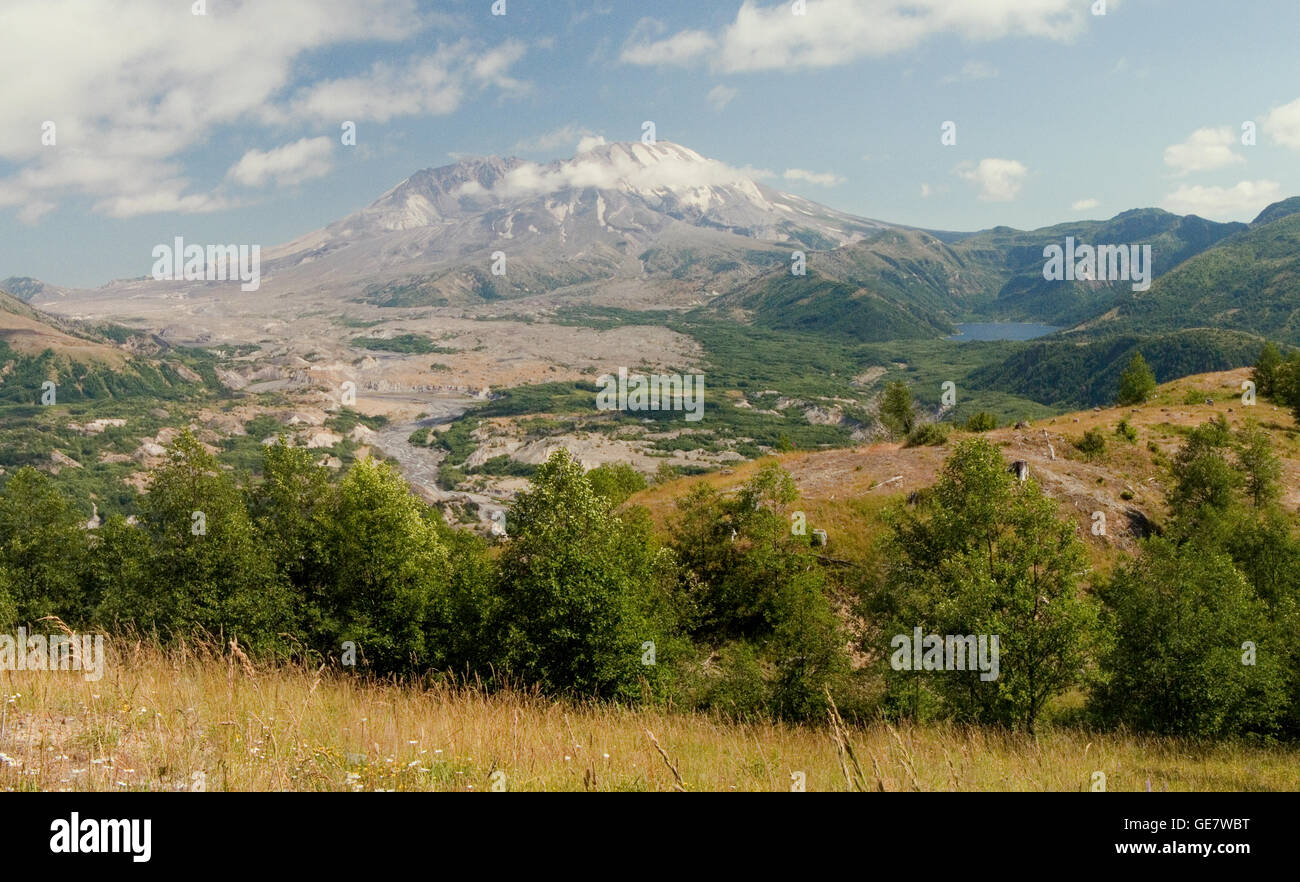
(1249, 282)
(1065, 373)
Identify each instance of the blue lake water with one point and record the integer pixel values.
(1000, 331)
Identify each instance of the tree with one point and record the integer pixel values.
(983, 554)
(1206, 482)
(1286, 383)
(897, 410)
(1261, 467)
(206, 567)
(568, 616)
(292, 509)
(389, 572)
(1266, 367)
(1193, 651)
(8, 609)
(1137, 382)
(758, 593)
(42, 546)
(616, 482)
(1093, 444)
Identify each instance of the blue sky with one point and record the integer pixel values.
(226, 127)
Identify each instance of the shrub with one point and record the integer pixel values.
(928, 435)
(981, 422)
(1092, 445)
(1180, 615)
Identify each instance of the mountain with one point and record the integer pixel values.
(897, 284)
(901, 283)
(623, 210)
(1249, 281)
(84, 362)
(27, 331)
(27, 289)
(1024, 295)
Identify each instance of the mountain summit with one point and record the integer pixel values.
(620, 210)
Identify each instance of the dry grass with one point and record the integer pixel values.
(158, 718)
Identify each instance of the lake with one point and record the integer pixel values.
(1000, 331)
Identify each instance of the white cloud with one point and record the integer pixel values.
(1282, 124)
(835, 32)
(999, 180)
(926, 192)
(720, 96)
(1204, 150)
(1239, 203)
(563, 138)
(133, 88)
(1084, 205)
(286, 165)
(821, 179)
(590, 142)
(623, 166)
(427, 85)
(681, 48)
(972, 70)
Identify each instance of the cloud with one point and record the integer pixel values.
(287, 165)
(836, 32)
(972, 70)
(1084, 205)
(720, 96)
(999, 180)
(622, 166)
(1239, 203)
(926, 192)
(821, 179)
(428, 85)
(563, 138)
(681, 48)
(135, 88)
(1204, 150)
(1282, 124)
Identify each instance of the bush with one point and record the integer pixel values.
(1127, 432)
(928, 435)
(981, 422)
(616, 482)
(1092, 445)
(1180, 615)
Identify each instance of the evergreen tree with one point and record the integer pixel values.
(1137, 382)
(897, 411)
(1265, 372)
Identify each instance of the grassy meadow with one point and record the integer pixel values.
(196, 718)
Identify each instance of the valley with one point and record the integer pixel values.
(398, 305)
